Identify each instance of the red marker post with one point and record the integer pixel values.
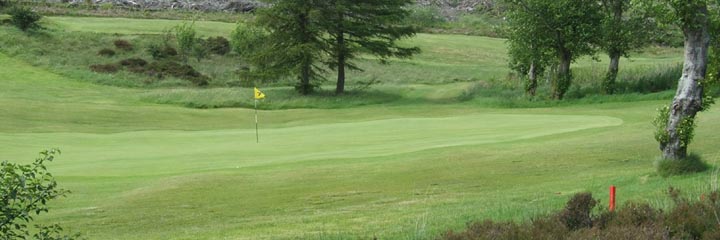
(612, 198)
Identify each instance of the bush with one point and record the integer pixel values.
(687, 220)
(691, 164)
(133, 62)
(135, 65)
(161, 51)
(200, 50)
(576, 214)
(186, 37)
(218, 45)
(425, 17)
(247, 40)
(25, 191)
(187, 72)
(104, 68)
(24, 18)
(123, 45)
(106, 52)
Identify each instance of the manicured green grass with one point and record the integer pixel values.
(409, 163)
(137, 26)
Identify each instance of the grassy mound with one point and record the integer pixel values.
(692, 164)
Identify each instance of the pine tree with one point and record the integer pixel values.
(364, 26)
(295, 42)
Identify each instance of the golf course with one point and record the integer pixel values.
(428, 148)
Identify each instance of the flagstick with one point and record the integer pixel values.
(257, 135)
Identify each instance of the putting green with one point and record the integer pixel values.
(170, 152)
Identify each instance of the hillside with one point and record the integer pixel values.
(447, 6)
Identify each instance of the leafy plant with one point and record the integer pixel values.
(25, 191)
(185, 35)
(24, 18)
(200, 49)
(218, 45)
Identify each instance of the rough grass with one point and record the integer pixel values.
(688, 219)
(693, 163)
(452, 68)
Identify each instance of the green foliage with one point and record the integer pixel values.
(295, 42)
(660, 122)
(670, 167)
(624, 28)
(24, 18)
(248, 40)
(200, 49)
(218, 45)
(425, 17)
(25, 191)
(162, 49)
(364, 27)
(565, 29)
(186, 37)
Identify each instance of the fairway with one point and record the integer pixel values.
(399, 170)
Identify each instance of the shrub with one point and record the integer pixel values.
(687, 220)
(186, 37)
(691, 164)
(104, 68)
(576, 214)
(247, 40)
(24, 18)
(133, 62)
(25, 190)
(187, 72)
(200, 50)
(218, 45)
(123, 45)
(106, 52)
(161, 51)
(135, 65)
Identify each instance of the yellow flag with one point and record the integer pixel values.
(258, 94)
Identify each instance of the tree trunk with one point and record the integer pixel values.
(306, 64)
(531, 87)
(688, 99)
(608, 86)
(340, 89)
(564, 76)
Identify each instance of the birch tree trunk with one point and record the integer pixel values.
(611, 78)
(531, 87)
(689, 96)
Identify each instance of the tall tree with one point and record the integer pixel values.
(364, 26)
(624, 28)
(569, 30)
(295, 40)
(529, 54)
(677, 121)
